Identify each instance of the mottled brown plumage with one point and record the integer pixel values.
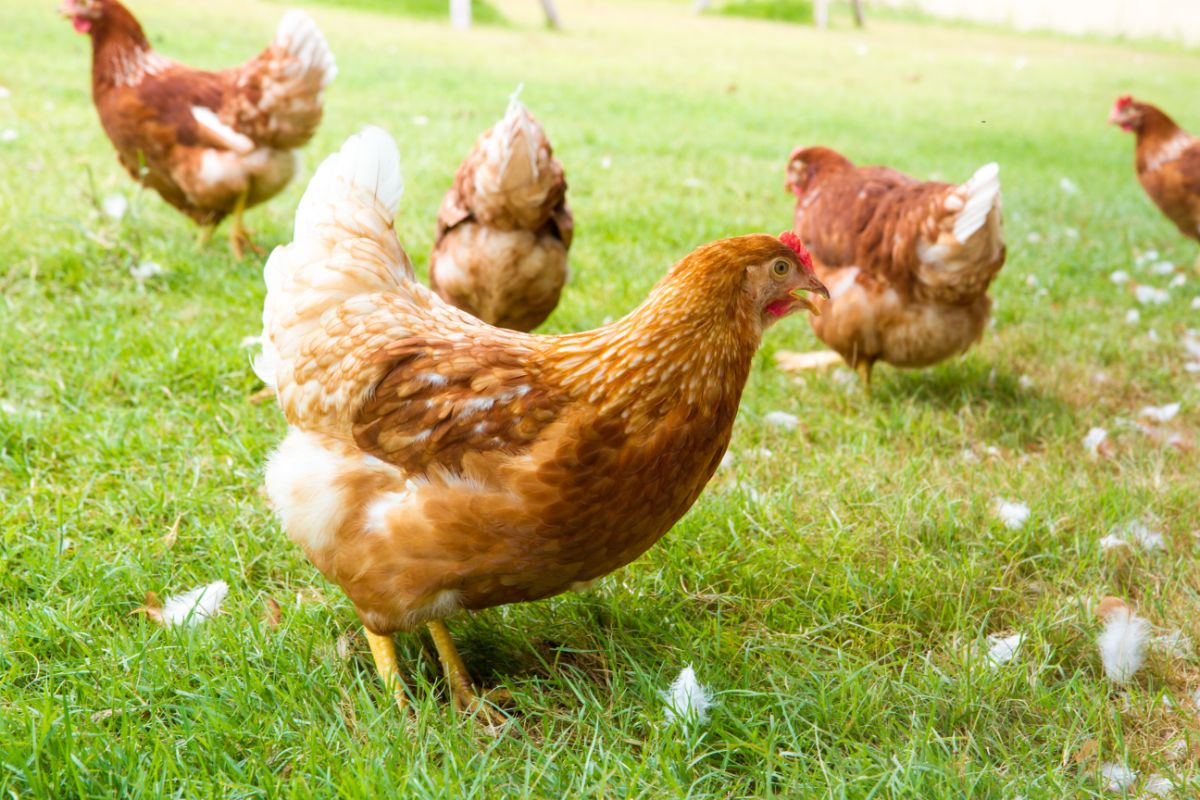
(1167, 161)
(210, 143)
(908, 263)
(504, 229)
(437, 462)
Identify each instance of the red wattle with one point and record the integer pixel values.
(81, 24)
(779, 308)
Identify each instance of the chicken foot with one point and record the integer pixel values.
(383, 649)
(864, 372)
(462, 688)
(205, 235)
(239, 237)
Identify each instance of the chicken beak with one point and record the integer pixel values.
(799, 294)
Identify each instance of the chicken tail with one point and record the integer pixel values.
(300, 38)
(515, 176)
(978, 196)
(282, 89)
(344, 247)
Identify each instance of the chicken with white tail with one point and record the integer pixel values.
(436, 463)
(908, 263)
(504, 228)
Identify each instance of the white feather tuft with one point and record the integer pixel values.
(1002, 649)
(782, 419)
(195, 606)
(687, 700)
(1117, 777)
(303, 40)
(1123, 642)
(366, 169)
(982, 192)
(1013, 514)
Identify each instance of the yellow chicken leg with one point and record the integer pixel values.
(239, 237)
(462, 689)
(864, 372)
(384, 651)
(205, 235)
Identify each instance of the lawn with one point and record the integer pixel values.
(834, 587)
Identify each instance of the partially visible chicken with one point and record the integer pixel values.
(211, 143)
(1167, 162)
(504, 229)
(437, 463)
(907, 263)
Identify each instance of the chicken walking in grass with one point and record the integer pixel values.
(210, 143)
(1167, 161)
(908, 264)
(438, 463)
(504, 229)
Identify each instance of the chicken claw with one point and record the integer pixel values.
(239, 237)
(384, 651)
(462, 688)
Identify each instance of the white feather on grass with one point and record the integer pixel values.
(1003, 649)
(1117, 777)
(1157, 786)
(114, 206)
(1123, 641)
(782, 419)
(1161, 413)
(1013, 514)
(1095, 440)
(191, 608)
(687, 700)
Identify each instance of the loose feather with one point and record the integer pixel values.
(1123, 642)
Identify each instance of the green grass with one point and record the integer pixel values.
(778, 10)
(837, 616)
(481, 11)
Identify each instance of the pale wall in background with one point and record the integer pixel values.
(1169, 19)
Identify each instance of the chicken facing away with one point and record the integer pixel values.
(504, 229)
(210, 143)
(1167, 162)
(908, 263)
(438, 463)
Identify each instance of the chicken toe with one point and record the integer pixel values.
(462, 688)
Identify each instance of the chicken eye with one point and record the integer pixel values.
(780, 268)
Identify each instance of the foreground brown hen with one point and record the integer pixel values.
(437, 463)
(908, 263)
(210, 143)
(504, 229)
(1167, 162)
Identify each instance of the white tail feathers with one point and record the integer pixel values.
(366, 172)
(300, 37)
(978, 196)
(344, 246)
(511, 148)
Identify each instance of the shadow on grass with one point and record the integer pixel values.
(994, 395)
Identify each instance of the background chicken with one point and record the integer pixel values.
(437, 463)
(504, 229)
(1167, 162)
(907, 263)
(211, 143)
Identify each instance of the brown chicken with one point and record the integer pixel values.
(437, 463)
(210, 143)
(907, 263)
(504, 229)
(1168, 162)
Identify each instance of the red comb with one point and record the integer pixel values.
(793, 241)
(1124, 100)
